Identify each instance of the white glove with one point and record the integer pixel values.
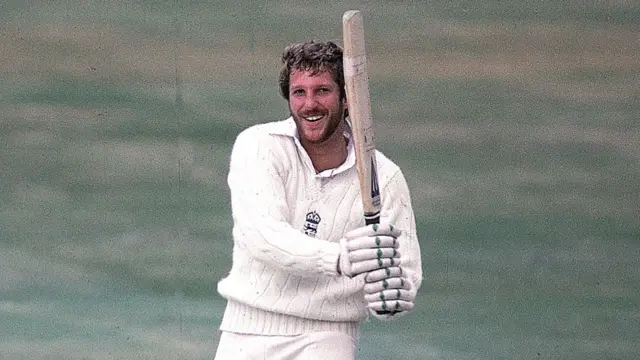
(388, 293)
(369, 248)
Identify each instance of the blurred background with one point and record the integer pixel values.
(516, 123)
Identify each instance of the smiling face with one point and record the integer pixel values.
(317, 107)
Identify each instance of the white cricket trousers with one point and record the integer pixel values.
(321, 345)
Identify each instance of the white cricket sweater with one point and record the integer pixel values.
(288, 221)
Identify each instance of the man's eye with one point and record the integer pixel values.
(298, 92)
(324, 90)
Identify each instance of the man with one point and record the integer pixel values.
(306, 270)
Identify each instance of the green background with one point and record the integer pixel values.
(516, 123)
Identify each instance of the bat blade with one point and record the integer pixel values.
(358, 99)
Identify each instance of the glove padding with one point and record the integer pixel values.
(369, 248)
(388, 293)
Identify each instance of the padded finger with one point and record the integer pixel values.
(387, 315)
(368, 254)
(384, 284)
(374, 264)
(392, 306)
(391, 294)
(373, 230)
(377, 275)
(370, 242)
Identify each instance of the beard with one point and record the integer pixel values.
(332, 120)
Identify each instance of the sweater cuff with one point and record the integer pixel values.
(330, 260)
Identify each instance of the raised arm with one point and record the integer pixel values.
(397, 209)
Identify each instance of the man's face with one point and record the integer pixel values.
(315, 104)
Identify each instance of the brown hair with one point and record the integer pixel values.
(315, 57)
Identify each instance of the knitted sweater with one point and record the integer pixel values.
(288, 221)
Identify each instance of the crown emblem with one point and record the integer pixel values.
(311, 224)
(313, 217)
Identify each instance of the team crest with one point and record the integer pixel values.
(311, 223)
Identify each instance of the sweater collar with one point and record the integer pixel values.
(288, 128)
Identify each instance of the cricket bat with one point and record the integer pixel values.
(357, 88)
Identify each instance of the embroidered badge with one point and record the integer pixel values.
(311, 223)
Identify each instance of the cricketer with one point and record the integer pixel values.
(306, 269)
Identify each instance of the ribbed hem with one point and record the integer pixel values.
(244, 319)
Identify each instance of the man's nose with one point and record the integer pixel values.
(310, 101)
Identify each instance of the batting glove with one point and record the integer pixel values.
(388, 293)
(369, 248)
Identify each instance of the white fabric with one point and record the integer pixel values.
(321, 345)
(288, 221)
(368, 249)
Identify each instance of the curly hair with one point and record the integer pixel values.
(312, 56)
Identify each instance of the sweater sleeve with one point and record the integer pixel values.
(261, 215)
(397, 210)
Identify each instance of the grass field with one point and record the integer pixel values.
(517, 125)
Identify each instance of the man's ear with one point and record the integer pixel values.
(345, 107)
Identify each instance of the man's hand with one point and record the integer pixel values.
(388, 293)
(369, 248)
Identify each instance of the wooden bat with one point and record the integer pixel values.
(357, 88)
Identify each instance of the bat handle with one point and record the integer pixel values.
(372, 218)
